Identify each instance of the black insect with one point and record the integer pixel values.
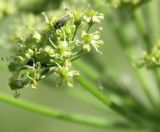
(61, 22)
(31, 63)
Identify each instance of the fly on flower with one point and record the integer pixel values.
(61, 22)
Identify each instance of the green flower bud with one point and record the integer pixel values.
(16, 64)
(36, 37)
(49, 50)
(16, 84)
(29, 53)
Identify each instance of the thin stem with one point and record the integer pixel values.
(93, 90)
(153, 19)
(124, 45)
(92, 74)
(75, 33)
(140, 3)
(81, 95)
(106, 101)
(79, 54)
(87, 69)
(154, 28)
(140, 24)
(89, 26)
(141, 27)
(53, 113)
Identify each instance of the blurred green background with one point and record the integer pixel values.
(112, 71)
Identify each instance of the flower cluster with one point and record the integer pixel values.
(152, 59)
(10, 7)
(7, 7)
(53, 49)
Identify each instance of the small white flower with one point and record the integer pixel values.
(63, 49)
(97, 19)
(93, 17)
(66, 73)
(91, 40)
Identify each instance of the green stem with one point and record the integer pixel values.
(140, 3)
(94, 91)
(154, 28)
(145, 120)
(53, 113)
(106, 101)
(152, 10)
(140, 24)
(79, 54)
(81, 95)
(124, 44)
(87, 69)
(145, 116)
(89, 26)
(141, 27)
(75, 33)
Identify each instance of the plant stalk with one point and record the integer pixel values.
(57, 114)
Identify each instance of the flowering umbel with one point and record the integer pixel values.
(55, 48)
